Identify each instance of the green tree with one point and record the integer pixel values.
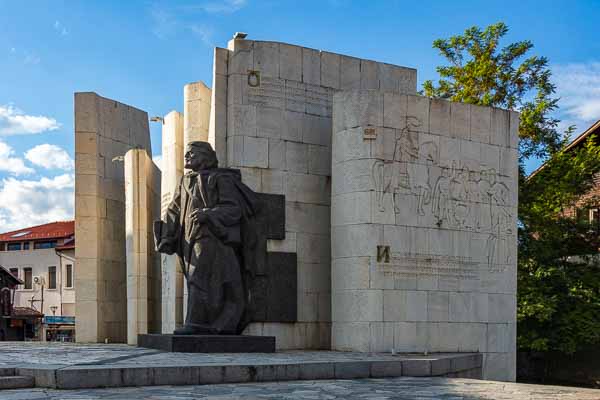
(558, 279)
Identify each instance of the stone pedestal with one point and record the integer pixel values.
(209, 343)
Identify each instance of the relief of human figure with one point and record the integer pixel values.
(405, 152)
(500, 219)
(393, 176)
(459, 197)
(441, 196)
(428, 152)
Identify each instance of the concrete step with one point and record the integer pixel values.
(202, 368)
(5, 371)
(16, 382)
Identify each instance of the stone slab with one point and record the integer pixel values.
(208, 343)
(16, 382)
(273, 302)
(73, 366)
(272, 219)
(194, 369)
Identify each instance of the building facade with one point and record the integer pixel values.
(43, 258)
(587, 207)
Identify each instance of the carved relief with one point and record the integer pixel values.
(458, 195)
(405, 264)
(273, 92)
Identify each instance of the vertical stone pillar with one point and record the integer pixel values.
(142, 199)
(217, 130)
(196, 112)
(172, 171)
(104, 131)
(196, 121)
(424, 227)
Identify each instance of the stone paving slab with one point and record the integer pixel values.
(74, 366)
(366, 389)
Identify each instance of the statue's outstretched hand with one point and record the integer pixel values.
(199, 216)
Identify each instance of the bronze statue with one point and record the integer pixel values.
(210, 226)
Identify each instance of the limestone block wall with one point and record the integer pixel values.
(172, 171)
(424, 234)
(142, 200)
(272, 108)
(196, 111)
(104, 129)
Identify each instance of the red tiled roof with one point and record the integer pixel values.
(576, 142)
(26, 312)
(53, 230)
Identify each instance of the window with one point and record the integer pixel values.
(595, 217)
(69, 275)
(45, 245)
(15, 272)
(28, 278)
(51, 277)
(13, 246)
(25, 245)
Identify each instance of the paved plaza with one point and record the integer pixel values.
(371, 389)
(64, 355)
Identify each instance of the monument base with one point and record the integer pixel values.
(208, 343)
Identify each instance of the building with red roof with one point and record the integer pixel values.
(42, 257)
(587, 207)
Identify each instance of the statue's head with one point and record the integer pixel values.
(199, 156)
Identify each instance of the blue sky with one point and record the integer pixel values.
(143, 52)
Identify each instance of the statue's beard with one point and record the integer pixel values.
(197, 166)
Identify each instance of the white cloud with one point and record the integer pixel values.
(205, 33)
(223, 6)
(158, 161)
(31, 58)
(60, 28)
(168, 21)
(10, 164)
(50, 156)
(33, 202)
(15, 122)
(164, 22)
(578, 85)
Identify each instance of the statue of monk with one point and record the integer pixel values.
(209, 226)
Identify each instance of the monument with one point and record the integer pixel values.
(387, 222)
(211, 225)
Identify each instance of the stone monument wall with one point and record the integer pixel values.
(142, 200)
(172, 171)
(196, 112)
(104, 129)
(424, 233)
(271, 109)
